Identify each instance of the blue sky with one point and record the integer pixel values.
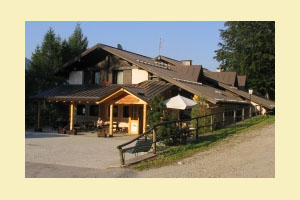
(196, 41)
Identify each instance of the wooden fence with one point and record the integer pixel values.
(228, 117)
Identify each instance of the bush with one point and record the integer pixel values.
(165, 133)
(201, 108)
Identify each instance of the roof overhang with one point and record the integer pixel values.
(118, 97)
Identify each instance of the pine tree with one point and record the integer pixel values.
(45, 61)
(249, 49)
(77, 42)
(156, 115)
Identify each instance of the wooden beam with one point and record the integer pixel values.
(71, 116)
(243, 114)
(129, 120)
(154, 140)
(234, 116)
(118, 91)
(38, 123)
(144, 117)
(111, 107)
(109, 96)
(39, 115)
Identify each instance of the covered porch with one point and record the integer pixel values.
(119, 108)
(133, 111)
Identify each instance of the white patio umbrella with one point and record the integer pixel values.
(179, 102)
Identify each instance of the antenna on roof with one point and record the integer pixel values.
(160, 45)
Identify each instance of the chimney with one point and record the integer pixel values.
(219, 69)
(186, 62)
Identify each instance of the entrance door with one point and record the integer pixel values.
(134, 123)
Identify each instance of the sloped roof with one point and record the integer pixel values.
(191, 72)
(77, 92)
(259, 100)
(228, 78)
(144, 90)
(180, 75)
(173, 76)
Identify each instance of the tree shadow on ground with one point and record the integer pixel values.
(43, 135)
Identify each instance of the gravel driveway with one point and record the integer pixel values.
(250, 154)
(73, 150)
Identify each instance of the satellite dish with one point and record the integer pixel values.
(119, 46)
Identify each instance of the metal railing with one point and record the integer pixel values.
(214, 124)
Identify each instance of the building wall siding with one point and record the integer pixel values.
(127, 76)
(75, 78)
(139, 76)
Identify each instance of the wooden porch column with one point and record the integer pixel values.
(144, 117)
(71, 116)
(38, 125)
(111, 107)
(250, 112)
(234, 116)
(243, 114)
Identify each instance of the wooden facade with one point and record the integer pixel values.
(111, 70)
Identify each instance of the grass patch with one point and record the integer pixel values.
(176, 153)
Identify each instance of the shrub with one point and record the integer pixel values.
(201, 108)
(156, 115)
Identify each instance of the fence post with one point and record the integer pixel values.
(223, 119)
(211, 123)
(197, 127)
(234, 116)
(121, 157)
(243, 114)
(154, 140)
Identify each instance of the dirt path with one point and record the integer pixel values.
(250, 154)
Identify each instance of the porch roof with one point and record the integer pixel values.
(144, 90)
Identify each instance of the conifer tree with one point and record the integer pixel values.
(77, 42)
(249, 49)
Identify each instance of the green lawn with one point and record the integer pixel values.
(176, 153)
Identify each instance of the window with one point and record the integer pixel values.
(125, 111)
(80, 109)
(97, 78)
(118, 77)
(91, 78)
(115, 111)
(229, 112)
(94, 109)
